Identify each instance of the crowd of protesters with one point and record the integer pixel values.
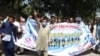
(12, 26)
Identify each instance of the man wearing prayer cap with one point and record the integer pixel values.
(78, 20)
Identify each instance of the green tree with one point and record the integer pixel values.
(70, 8)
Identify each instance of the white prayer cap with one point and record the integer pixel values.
(78, 19)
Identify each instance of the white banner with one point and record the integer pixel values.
(67, 39)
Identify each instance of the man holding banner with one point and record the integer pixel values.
(8, 32)
(98, 37)
(43, 36)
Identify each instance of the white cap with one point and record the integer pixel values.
(78, 19)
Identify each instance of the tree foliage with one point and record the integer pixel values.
(70, 8)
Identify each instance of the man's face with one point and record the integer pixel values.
(52, 20)
(78, 22)
(22, 20)
(67, 20)
(44, 23)
(71, 19)
(89, 23)
(0, 18)
(21, 17)
(41, 19)
(30, 16)
(63, 20)
(95, 22)
(11, 20)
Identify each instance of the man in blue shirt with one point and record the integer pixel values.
(8, 31)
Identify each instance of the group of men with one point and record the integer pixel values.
(11, 28)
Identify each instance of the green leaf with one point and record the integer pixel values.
(27, 10)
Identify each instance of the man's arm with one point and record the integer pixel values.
(38, 23)
(49, 36)
(15, 32)
(6, 19)
(36, 18)
(2, 30)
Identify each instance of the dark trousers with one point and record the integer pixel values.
(7, 51)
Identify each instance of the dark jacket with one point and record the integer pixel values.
(9, 28)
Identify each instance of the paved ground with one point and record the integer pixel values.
(88, 53)
(30, 53)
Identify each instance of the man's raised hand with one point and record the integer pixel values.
(35, 13)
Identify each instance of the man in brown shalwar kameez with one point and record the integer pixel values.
(43, 36)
